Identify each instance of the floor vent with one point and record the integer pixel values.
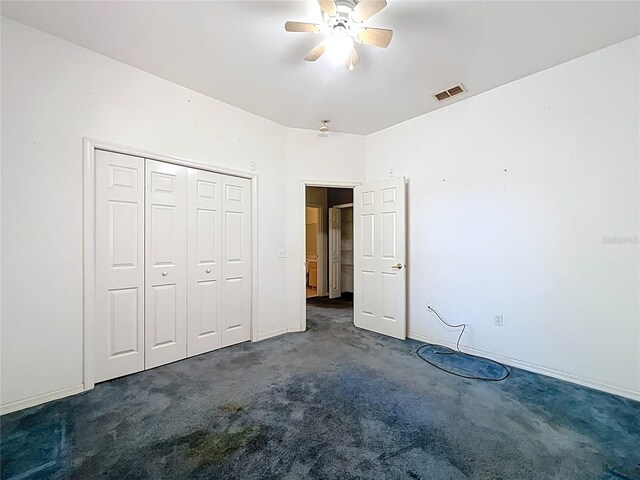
(450, 92)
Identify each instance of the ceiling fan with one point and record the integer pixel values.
(343, 21)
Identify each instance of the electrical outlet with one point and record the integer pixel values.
(282, 253)
(252, 166)
(498, 320)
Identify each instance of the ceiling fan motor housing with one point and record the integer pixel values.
(343, 18)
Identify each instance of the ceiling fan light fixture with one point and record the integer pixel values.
(342, 21)
(339, 46)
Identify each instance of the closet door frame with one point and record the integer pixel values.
(89, 241)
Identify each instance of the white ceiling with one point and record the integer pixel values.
(238, 51)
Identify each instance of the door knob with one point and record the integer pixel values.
(208, 270)
(165, 273)
(397, 266)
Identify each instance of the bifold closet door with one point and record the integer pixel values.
(204, 312)
(166, 263)
(173, 263)
(236, 260)
(119, 265)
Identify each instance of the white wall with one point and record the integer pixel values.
(54, 94)
(526, 242)
(511, 195)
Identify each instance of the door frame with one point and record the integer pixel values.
(302, 275)
(88, 228)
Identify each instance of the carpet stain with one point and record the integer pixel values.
(206, 447)
(179, 456)
(231, 407)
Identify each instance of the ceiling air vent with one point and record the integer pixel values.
(450, 92)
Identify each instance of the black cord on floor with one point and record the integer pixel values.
(442, 350)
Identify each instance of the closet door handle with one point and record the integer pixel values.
(208, 270)
(165, 273)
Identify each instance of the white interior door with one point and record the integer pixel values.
(204, 311)
(335, 262)
(166, 263)
(236, 260)
(119, 265)
(380, 257)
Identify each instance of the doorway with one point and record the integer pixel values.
(378, 249)
(328, 243)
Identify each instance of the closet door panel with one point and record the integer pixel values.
(236, 260)
(164, 314)
(166, 263)
(119, 266)
(205, 238)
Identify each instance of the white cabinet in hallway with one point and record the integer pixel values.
(173, 263)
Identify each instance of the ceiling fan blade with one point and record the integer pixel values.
(318, 50)
(378, 37)
(302, 27)
(367, 9)
(328, 7)
(353, 59)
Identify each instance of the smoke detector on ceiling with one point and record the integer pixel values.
(324, 126)
(450, 92)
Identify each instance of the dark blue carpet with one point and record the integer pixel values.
(331, 403)
(463, 365)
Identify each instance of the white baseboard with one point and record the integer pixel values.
(275, 333)
(531, 367)
(294, 330)
(39, 399)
